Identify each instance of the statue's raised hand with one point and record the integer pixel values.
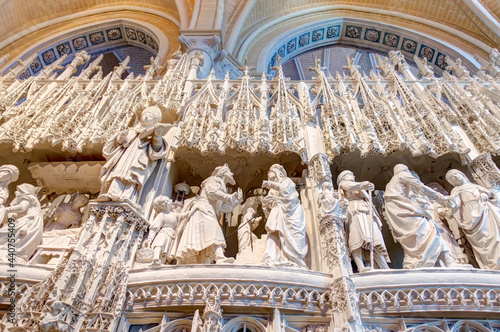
(158, 129)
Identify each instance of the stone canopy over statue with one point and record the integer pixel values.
(200, 239)
(130, 158)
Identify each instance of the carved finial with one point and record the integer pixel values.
(245, 68)
(317, 66)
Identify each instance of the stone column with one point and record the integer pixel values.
(345, 310)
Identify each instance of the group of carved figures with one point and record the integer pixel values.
(22, 222)
(193, 235)
(420, 217)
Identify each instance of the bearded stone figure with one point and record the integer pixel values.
(26, 211)
(131, 157)
(363, 222)
(478, 217)
(412, 225)
(200, 238)
(286, 224)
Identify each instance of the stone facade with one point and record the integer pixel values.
(148, 185)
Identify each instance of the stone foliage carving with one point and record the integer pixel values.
(202, 212)
(131, 156)
(26, 211)
(363, 222)
(286, 223)
(478, 215)
(411, 224)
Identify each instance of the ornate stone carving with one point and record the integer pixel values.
(131, 157)
(411, 224)
(478, 215)
(202, 212)
(486, 172)
(320, 168)
(286, 223)
(457, 68)
(162, 231)
(8, 174)
(364, 223)
(24, 216)
(264, 294)
(425, 71)
(87, 290)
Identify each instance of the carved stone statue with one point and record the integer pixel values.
(362, 220)
(286, 224)
(68, 215)
(131, 156)
(447, 225)
(200, 238)
(26, 211)
(246, 237)
(411, 223)
(443, 231)
(8, 174)
(330, 204)
(478, 217)
(162, 231)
